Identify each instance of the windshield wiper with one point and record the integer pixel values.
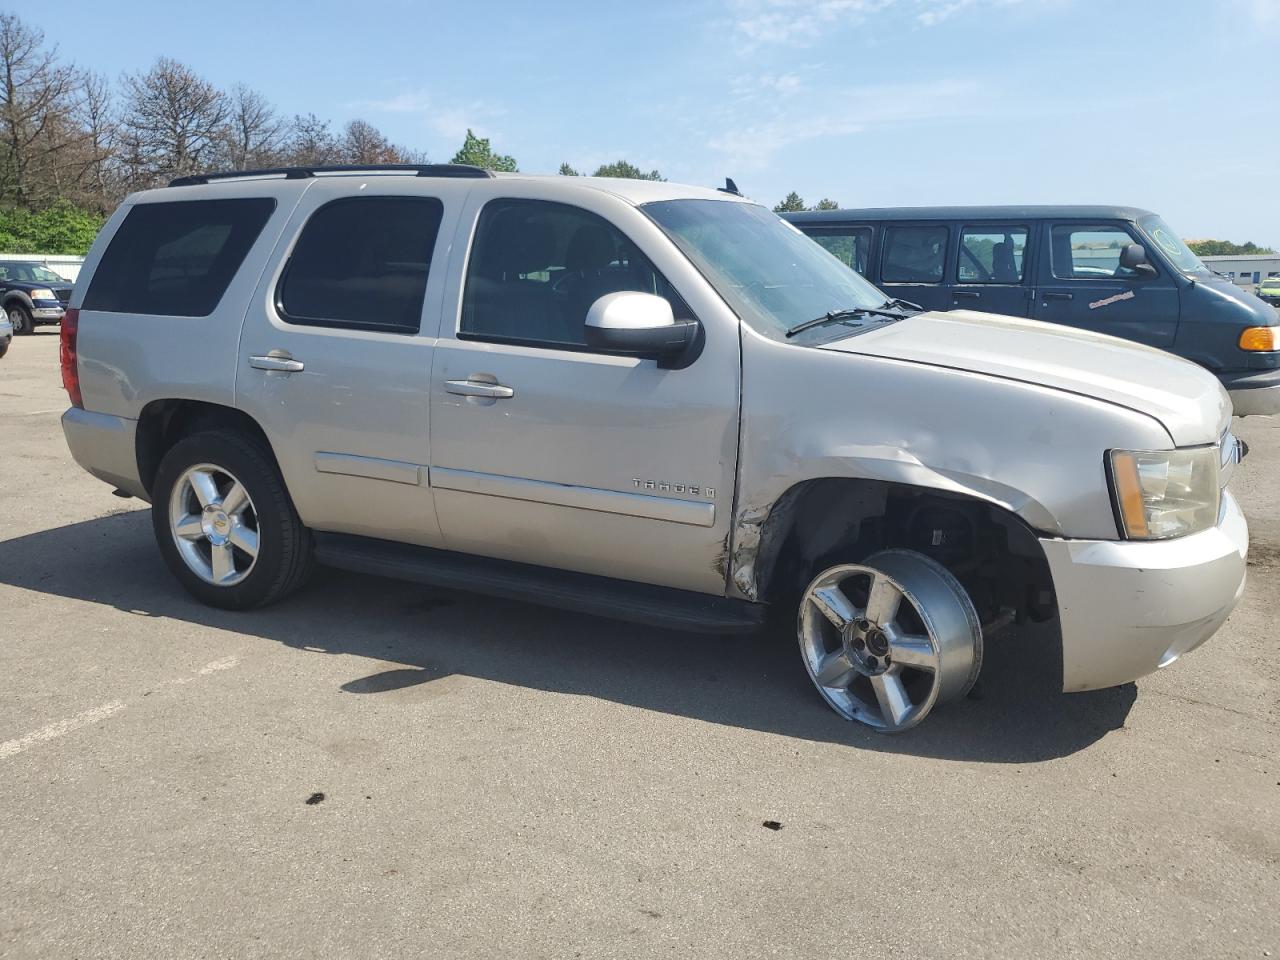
(904, 304)
(840, 316)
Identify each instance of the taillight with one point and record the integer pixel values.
(70, 362)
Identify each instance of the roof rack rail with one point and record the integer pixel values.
(461, 170)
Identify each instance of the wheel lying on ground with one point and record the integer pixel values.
(888, 639)
(225, 524)
(20, 318)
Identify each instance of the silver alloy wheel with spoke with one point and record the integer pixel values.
(214, 525)
(886, 640)
(18, 320)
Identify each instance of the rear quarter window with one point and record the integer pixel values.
(178, 258)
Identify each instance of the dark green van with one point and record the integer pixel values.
(1116, 270)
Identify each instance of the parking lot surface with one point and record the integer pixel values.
(377, 769)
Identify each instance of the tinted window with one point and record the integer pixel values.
(362, 263)
(848, 245)
(537, 267)
(992, 255)
(914, 254)
(1089, 252)
(176, 259)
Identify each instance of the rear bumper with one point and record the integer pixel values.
(1253, 392)
(1128, 608)
(105, 446)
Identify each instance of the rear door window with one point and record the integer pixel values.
(362, 263)
(176, 259)
(992, 255)
(849, 245)
(914, 254)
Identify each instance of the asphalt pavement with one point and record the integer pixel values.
(377, 769)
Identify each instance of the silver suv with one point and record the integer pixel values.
(646, 401)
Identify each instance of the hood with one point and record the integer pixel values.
(1185, 398)
(1217, 296)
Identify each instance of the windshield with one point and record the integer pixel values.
(771, 275)
(1179, 253)
(30, 272)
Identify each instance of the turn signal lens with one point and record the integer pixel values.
(1260, 338)
(70, 360)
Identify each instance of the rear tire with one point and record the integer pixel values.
(225, 523)
(20, 317)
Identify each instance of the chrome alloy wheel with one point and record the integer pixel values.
(886, 640)
(214, 525)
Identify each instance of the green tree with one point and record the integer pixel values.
(626, 171)
(59, 228)
(1225, 248)
(791, 204)
(825, 204)
(567, 171)
(477, 152)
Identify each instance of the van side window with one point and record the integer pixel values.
(849, 245)
(913, 254)
(1087, 252)
(992, 255)
(361, 263)
(536, 268)
(176, 259)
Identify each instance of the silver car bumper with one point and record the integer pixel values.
(104, 445)
(1128, 608)
(47, 313)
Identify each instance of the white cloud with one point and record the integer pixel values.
(448, 120)
(1262, 11)
(752, 130)
(761, 22)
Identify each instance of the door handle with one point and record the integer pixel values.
(1057, 296)
(474, 388)
(969, 294)
(275, 362)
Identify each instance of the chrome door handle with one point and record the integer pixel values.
(272, 362)
(473, 388)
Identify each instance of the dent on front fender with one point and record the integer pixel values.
(756, 527)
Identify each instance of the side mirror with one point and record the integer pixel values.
(639, 325)
(1134, 257)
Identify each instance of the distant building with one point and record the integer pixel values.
(1245, 270)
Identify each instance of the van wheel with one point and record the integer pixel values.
(225, 524)
(888, 639)
(20, 317)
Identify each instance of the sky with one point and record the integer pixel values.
(1172, 105)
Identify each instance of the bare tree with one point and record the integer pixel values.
(173, 122)
(36, 99)
(254, 134)
(364, 143)
(94, 168)
(312, 143)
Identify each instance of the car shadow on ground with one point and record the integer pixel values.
(755, 682)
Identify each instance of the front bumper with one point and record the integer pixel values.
(1128, 608)
(104, 445)
(1253, 392)
(47, 310)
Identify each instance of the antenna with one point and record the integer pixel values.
(730, 187)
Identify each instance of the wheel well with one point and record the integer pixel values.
(990, 550)
(164, 422)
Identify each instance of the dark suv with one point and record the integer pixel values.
(33, 294)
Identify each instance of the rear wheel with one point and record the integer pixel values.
(20, 317)
(888, 639)
(225, 524)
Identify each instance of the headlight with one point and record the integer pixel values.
(40, 294)
(1165, 493)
